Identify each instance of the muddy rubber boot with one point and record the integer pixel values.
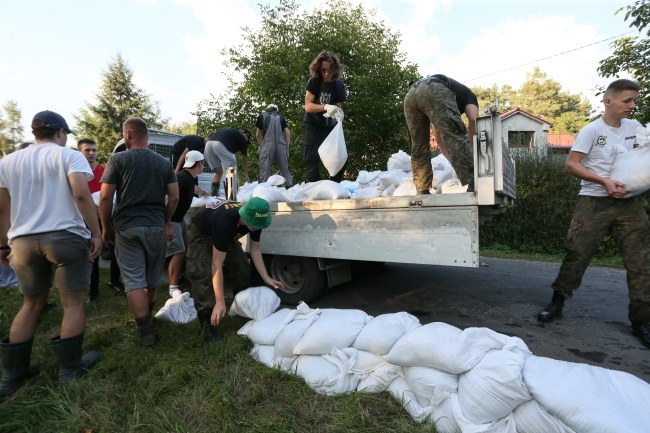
(209, 332)
(16, 368)
(147, 330)
(72, 364)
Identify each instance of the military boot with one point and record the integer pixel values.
(552, 310)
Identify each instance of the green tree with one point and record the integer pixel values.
(631, 54)
(271, 66)
(185, 128)
(543, 97)
(11, 129)
(117, 100)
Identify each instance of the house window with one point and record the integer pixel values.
(525, 139)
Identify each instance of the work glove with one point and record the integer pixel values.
(333, 111)
(215, 189)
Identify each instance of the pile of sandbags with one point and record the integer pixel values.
(396, 181)
(472, 380)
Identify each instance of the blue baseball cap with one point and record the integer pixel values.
(51, 120)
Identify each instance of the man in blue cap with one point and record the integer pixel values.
(49, 232)
(214, 255)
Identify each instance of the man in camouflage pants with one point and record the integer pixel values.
(440, 101)
(603, 208)
(215, 255)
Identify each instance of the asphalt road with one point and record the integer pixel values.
(505, 296)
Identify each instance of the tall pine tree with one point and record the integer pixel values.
(117, 100)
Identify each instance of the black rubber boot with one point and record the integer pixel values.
(16, 368)
(72, 364)
(552, 310)
(209, 332)
(147, 330)
(215, 189)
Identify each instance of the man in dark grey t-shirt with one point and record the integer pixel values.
(146, 196)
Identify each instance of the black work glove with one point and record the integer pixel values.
(215, 189)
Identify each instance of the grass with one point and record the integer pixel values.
(504, 252)
(180, 385)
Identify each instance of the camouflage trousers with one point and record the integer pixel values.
(236, 268)
(430, 102)
(627, 222)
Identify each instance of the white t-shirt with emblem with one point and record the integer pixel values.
(598, 141)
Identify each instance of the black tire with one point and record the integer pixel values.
(302, 279)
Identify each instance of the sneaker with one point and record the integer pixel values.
(642, 330)
(117, 287)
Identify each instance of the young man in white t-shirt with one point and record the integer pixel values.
(602, 209)
(49, 232)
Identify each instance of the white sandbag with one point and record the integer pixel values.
(440, 163)
(349, 186)
(453, 186)
(379, 379)
(494, 387)
(399, 161)
(401, 392)
(447, 348)
(392, 178)
(431, 386)
(276, 180)
(633, 169)
(321, 190)
(332, 150)
(263, 354)
(406, 188)
(367, 192)
(443, 417)
(255, 303)
(531, 417)
(271, 194)
(587, 398)
(388, 192)
(380, 334)
(503, 425)
(290, 335)
(178, 309)
(439, 177)
(266, 330)
(328, 374)
(334, 329)
(368, 178)
(366, 362)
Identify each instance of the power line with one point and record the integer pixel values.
(550, 57)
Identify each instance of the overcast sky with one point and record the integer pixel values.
(52, 53)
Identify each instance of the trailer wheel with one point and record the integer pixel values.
(302, 279)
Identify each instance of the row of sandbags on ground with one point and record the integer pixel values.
(469, 381)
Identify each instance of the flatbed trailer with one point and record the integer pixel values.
(310, 245)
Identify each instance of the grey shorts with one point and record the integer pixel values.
(61, 254)
(177, 244)
(140, 254)
(218, 155)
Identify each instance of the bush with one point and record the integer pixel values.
(546, 198)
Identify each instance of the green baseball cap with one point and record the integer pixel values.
(255, 213)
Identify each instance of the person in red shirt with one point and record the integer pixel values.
(88, 148)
